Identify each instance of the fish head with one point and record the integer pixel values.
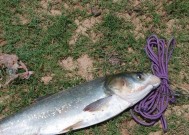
(132, 87)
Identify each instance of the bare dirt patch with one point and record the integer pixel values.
(2, 39)
(78, 6)
(23, 19)
(160, 9)
(171, 24)
(2, 42)
(184, 87)
(55, 12)
(136, 2)
(126, 126)
(72, 6)
(143, 22)
(46, 79)
(182, 111)
(84, 28)
(83, 66)
(126, 16)
(66, 6)
(68, 64)
(124, 131)
(129, 124)
(3, 99)
(44, 3)
(117, 1)
(130, 50)
(95, 36)
(156, 133)
(139, 23)
(51, 7)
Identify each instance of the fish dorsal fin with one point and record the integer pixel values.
(41, 98)
(98, 105)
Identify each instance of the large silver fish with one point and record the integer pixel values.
(82, 106)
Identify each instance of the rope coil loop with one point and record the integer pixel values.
(153, 106)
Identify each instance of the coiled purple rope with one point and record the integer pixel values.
(152, 107)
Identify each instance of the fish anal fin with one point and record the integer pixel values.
(71, 127)
(97, 105)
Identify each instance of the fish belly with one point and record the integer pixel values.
(87, 118)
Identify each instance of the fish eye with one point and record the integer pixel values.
(139, 76)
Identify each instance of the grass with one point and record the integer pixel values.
(41, 39)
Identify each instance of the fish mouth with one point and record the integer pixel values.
(155, 81)
(155, 86)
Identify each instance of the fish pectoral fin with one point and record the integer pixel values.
(98, 105)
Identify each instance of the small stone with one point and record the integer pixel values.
(95, 11)
(114, 60)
